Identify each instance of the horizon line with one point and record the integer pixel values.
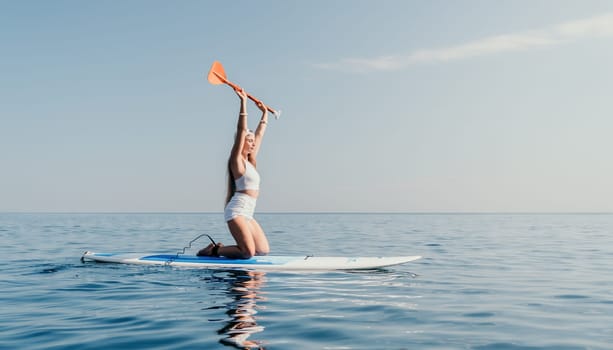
(329, 212)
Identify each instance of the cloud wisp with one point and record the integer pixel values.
(597, 26)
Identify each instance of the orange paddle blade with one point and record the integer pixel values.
(217, 75)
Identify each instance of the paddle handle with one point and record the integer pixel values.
(251, 97)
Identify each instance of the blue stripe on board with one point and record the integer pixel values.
(221, 260)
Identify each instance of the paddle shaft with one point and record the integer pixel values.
(236, 87)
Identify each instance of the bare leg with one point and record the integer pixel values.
(245, 247)
(250, 240)
(259, 238)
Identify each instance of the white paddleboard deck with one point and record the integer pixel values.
(268, 263)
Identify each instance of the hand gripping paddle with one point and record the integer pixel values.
(217, 76)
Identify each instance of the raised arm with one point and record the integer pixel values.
(239, 141)
(261, 129)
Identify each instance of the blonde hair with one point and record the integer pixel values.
(231, 183)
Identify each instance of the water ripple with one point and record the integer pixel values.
(485, 282)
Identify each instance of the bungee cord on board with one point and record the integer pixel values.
(182, 252)
(189, 245)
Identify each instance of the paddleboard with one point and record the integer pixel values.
(264, 263)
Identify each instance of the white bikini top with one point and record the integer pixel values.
(250, 179)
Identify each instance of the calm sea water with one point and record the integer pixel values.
(485, 282)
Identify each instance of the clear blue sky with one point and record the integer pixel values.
(417, 106)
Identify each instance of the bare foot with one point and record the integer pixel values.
(209, 250)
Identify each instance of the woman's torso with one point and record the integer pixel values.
(249, 182)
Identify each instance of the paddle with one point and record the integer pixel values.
(217, 76)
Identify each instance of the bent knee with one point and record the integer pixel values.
(262, 252)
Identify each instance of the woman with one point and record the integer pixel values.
(243, 190)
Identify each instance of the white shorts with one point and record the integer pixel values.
(240, 204)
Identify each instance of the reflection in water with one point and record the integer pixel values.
(245, 292)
